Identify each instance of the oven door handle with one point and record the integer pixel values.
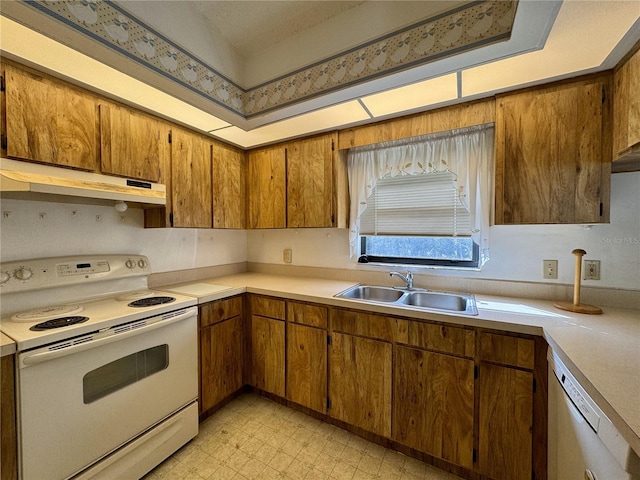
(102, 338)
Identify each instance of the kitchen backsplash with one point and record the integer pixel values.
(31, 229)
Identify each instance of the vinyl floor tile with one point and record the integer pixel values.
(253, 438)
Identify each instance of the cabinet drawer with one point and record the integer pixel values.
(267, 307)
(513, 351)
(442, 338)
(380, 327)
(220, 310)
(312, 315)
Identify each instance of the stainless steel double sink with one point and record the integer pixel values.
(417, 298)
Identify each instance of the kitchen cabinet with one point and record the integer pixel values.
(506, 407)
(310, 182)
(48, 121)
(626, 113)
(553, 153)
(434, 393)
(221, 350)
(360, 369)
(8, 432)
(307, 355)
(189, 191)
(266, 188)
(131, 142)
(229, 187)
(267, 321)
(298, 184)
(360, 382)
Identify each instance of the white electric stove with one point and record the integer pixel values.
(120, 358)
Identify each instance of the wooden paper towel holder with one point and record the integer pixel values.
(576, 306)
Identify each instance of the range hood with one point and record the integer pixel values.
(31, 180)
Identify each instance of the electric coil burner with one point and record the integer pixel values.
(58, 323)
(150, 302)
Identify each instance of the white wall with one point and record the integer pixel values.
(25, 234)
(516, 251)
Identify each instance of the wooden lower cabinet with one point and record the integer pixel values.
(8, 433)
(433, 404)
(221, 350)
(360, 382)
(307, 366)
(267, 354)
(220, 361)
(505, 422)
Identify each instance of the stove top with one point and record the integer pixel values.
(45, 325)
(48, 300)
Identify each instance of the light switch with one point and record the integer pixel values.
(286, 255)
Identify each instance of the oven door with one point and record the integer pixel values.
(80, 400)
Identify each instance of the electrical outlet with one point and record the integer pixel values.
(286, 255)
(550, 269)
(591, 270)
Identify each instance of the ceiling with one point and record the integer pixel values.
(251, 27)
(274, 70)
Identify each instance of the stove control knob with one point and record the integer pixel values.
(23, 274)
(130, 264)
(4, 277)
(142, 263)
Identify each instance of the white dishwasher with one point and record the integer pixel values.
(583, 443)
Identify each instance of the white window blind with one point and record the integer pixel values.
(426, 204)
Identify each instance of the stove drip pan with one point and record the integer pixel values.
(59, 323)
(151, 301)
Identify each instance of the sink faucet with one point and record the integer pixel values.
(408, 279)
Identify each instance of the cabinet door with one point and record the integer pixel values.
(433, 404)
(360, 382)
(49, 122)
(131, 143)
(229, 189)
(267, 354)
(310, 182)
(553, 154)
(8, 431)
(220, 361)
(307, 366)
(626, 107)
(190, 179)
(266, 186)
(505, 423)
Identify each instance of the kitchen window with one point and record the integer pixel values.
(423, 201)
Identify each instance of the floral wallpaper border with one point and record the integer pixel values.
(453, 32)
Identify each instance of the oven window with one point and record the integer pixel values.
(123, 372)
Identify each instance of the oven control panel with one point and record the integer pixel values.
(99, 266)
(40, 273)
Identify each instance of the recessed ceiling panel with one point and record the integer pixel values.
(429, 92)
(321, 120)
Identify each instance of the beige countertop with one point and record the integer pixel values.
(602, 351)
(7, 346)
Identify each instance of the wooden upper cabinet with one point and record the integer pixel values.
(310, 182)
(626, 108)
(229, 187)
(266, 185)
(190, 179)
(553, 154)
(48, 121)
(131, 143)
